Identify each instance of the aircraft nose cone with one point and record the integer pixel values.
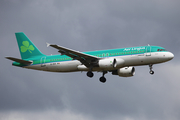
(170, 55)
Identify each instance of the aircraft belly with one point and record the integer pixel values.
(68, 66)
(131, 60)
(36, 67)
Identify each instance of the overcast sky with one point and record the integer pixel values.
(87, 25)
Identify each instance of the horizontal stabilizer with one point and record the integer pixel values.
(20, 60)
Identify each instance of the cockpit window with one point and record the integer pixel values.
(161, 50)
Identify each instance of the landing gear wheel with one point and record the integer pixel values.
(102, 79)
(151, 72)
(90, 74)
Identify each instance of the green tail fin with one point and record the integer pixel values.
(26, 47)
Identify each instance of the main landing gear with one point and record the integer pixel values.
(101, 79)
(90, 74)
(151, 71)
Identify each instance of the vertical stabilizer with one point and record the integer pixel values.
(26, 47)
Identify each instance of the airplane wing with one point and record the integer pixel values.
(85, 59)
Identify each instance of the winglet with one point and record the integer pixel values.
(48, 44)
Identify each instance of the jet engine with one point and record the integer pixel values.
(125, 72)
(111, 63)
(106, 63)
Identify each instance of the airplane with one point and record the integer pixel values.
(117, 61)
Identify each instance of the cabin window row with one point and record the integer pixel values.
(122, 53)
(61, 59)
(102, 55)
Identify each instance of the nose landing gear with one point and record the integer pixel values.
(151, 71)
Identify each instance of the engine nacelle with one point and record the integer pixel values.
(125, 72)
(118, 62)
(106, 63)
(111, 63)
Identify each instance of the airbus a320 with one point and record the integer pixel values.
(117, 61)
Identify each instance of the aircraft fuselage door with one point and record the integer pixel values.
(43, 59)
(148, 51)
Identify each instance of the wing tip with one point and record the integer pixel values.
(48, 44)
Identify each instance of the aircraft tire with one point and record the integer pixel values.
(102, 79)
(151, 72)
(90, 74)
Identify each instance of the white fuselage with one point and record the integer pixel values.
(129, 60)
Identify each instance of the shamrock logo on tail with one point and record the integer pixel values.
(26, 47)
